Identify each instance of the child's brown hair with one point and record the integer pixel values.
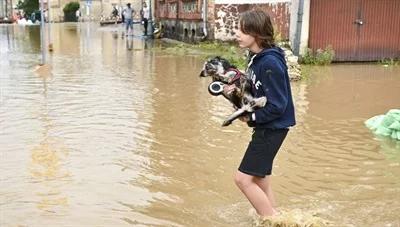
(257, 23)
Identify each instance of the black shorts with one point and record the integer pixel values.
(260, 153)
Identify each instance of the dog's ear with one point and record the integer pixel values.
(202, 74)
(226, 64)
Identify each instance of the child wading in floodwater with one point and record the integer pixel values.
(268, 71)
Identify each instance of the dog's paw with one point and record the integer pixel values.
(258, 102)
(226, 123)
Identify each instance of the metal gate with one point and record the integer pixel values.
(358, 30)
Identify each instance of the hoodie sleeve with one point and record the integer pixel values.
(273, 83)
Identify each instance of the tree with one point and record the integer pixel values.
(28, 6)
(69, 11)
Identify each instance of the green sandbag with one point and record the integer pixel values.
(381, 130)
(395, 125)
(386, 125)
(395, 135)
(374, 122)
(395, 113)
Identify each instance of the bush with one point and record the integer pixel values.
(319, 57)
(389, 61)
(70, 10)
(71, 7)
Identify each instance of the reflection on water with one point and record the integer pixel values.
(118, 134)
(45, 168)
(46, 162)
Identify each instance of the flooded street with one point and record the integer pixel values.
(121, 133)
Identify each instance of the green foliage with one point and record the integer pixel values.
(389, 62)
(69, 11)
(20, 4)
(319, 57)
(28, 6)
(71, 7)
(227, 50)
(308, 57)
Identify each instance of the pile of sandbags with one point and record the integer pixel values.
(386, 125)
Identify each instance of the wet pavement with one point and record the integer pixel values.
(119, 133)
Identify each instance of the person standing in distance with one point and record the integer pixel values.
(268, 71)
(77, 15)
(128, 17)
(145, 13)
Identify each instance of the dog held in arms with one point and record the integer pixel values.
(233, 85)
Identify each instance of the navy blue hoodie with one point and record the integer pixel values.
(268, 71)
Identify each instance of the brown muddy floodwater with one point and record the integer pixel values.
(122, 134)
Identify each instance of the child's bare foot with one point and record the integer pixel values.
(275, 212)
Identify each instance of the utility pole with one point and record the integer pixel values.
(12, 10)
(6, 9)
(42, 41)
(1, 8)
(49, 24)
(151, 19)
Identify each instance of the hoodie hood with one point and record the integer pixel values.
(275, 51)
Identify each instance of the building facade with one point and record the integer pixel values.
(357, 30)
(195, 20)
(92, 10)
(186, 20)
(6, 8)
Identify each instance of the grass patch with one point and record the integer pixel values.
(389, 62)
(318, 57)
(228, 50)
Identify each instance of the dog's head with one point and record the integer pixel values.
(215, 67)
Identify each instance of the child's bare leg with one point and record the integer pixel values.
(265, 185)
(254, 194)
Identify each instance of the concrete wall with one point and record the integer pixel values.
(226, 16)
(299, 25)
(2, 8)
(294, 6)
(6, 8)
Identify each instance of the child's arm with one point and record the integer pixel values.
(273, 83)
